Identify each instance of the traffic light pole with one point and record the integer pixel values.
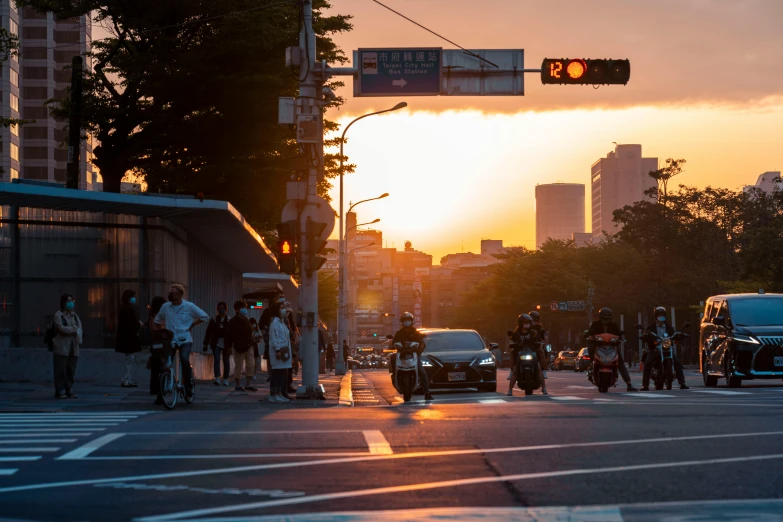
(308, 290)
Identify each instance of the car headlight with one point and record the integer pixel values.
(745, 339)
(487, 361)
(526, 357)
(426, 362)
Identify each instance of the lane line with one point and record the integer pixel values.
(83, 451)
(64, 422)
(568, 398)
(722, 392)
(20, 459)
(6, 472)
(377, 442)
(645, 395)
(449, 484)
(18, 434)
(396, 456)
(493, 401)
(28, 450)
(39, 441)
(232, 455)
(262, 432)
(79, 414)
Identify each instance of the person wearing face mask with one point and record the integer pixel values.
(180, 316)
(541, 332)
(279, 354)
(265, 323)
(66, 347)
(606, 325)
(662, 329)
(409, 333)
(215, 340)
(128, 326)
(239, 339)
(526, 335)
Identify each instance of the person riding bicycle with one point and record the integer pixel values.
(409, 333)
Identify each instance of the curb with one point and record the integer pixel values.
(346, 392)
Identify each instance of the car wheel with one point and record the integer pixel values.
(710, 381)
(731, 380)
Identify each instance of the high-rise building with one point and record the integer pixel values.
(768, 182)
(582, 239)
(619, 179)
(38, 150)
(560, 211)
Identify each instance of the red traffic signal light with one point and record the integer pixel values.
(286, 247)
(578, 71)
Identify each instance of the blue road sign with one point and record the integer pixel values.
(563, 306)
(395, 72)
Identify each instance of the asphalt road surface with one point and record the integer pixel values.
(698, 454)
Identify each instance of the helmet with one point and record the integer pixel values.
(605, 313)
(406, 316)
(659, 311)
(524, 318)
(535, 315)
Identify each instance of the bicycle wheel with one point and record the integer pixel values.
(192, 397)
(168, 390)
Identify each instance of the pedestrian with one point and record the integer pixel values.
(158, 341)
(180, 316)
(264, 323)
(330, 357)
(279, 354)
(66, 347)
(215, 340)
(257, 338)
(296, 355)
(346, 352)
(239, 339)
(128, 326)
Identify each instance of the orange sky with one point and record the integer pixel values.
(706, 85)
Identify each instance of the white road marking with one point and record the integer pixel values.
(233, 456)
(48, 430)
(262, 432)
(63, 422)
(644, 395)
(29, 450)
(83, 451)
(22, 434)
(20, 459)
(377, 442)
(6, 472)
(722, 392)
(449, 484)
(87, 414)
(493, 401)
(567, 398)
(582, 387)
(38, 441)
(396, 456)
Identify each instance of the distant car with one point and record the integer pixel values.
(582, 360)
(566, 360)
(458, 359)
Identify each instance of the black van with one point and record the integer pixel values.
(742, 338)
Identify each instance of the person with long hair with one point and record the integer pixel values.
(279, 354)
(128, 326)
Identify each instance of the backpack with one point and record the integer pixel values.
(50, 334)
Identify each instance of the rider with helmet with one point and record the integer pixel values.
(539, 328)
(606, 325)
(526, 335)
(662, 329)
(408, 332)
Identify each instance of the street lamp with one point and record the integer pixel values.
(384, 195)
(376, 220)
(340, 366)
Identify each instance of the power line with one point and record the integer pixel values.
(471, 53)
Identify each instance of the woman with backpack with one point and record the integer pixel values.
(65, 347)
(128, 326)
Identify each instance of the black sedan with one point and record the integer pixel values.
(458, 359)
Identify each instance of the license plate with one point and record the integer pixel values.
(778, 361)
(457, 376)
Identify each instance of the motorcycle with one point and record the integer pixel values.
(525, 366)
(662, 373)
(606, 361)
(406, 374)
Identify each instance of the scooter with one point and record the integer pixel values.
(406, 375)
(604, 368)
(525, 366)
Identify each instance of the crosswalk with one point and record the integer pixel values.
(30, 437)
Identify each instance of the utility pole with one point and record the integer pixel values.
(75, 125)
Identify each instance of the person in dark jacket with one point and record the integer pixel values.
(662, 329)
(408, 332)
(329, 357)
(239, 339)
(128, 326)
(526, 334)
(606, 325)
(215, 340)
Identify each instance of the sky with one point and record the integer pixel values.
(706, 85)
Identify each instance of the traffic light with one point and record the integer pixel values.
(536, 307)
(585, 71)
(286, 247)
(315, 245)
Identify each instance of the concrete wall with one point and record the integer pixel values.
(95, 365)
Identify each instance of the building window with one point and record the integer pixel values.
(15, 151)
(15, 129)
(14, 173)
(14, 76)
(14, 27)
(14, 102)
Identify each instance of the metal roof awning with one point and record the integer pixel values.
(216, 224)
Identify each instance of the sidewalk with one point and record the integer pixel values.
(39, 396)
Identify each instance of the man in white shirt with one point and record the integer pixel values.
(180, 316)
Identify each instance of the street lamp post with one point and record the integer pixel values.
(340, 366)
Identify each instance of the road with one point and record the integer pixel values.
(574, 454)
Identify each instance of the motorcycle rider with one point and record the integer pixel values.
(662, 329)
(539, 328)
(409, 333)
(604, 324)
(526, 335)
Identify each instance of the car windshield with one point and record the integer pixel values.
(453, 342)
(757, 311)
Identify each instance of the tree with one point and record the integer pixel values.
(328, 288)
(184, 94)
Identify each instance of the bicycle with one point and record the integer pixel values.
(170, 386)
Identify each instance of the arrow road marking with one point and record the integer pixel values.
(399, 83)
